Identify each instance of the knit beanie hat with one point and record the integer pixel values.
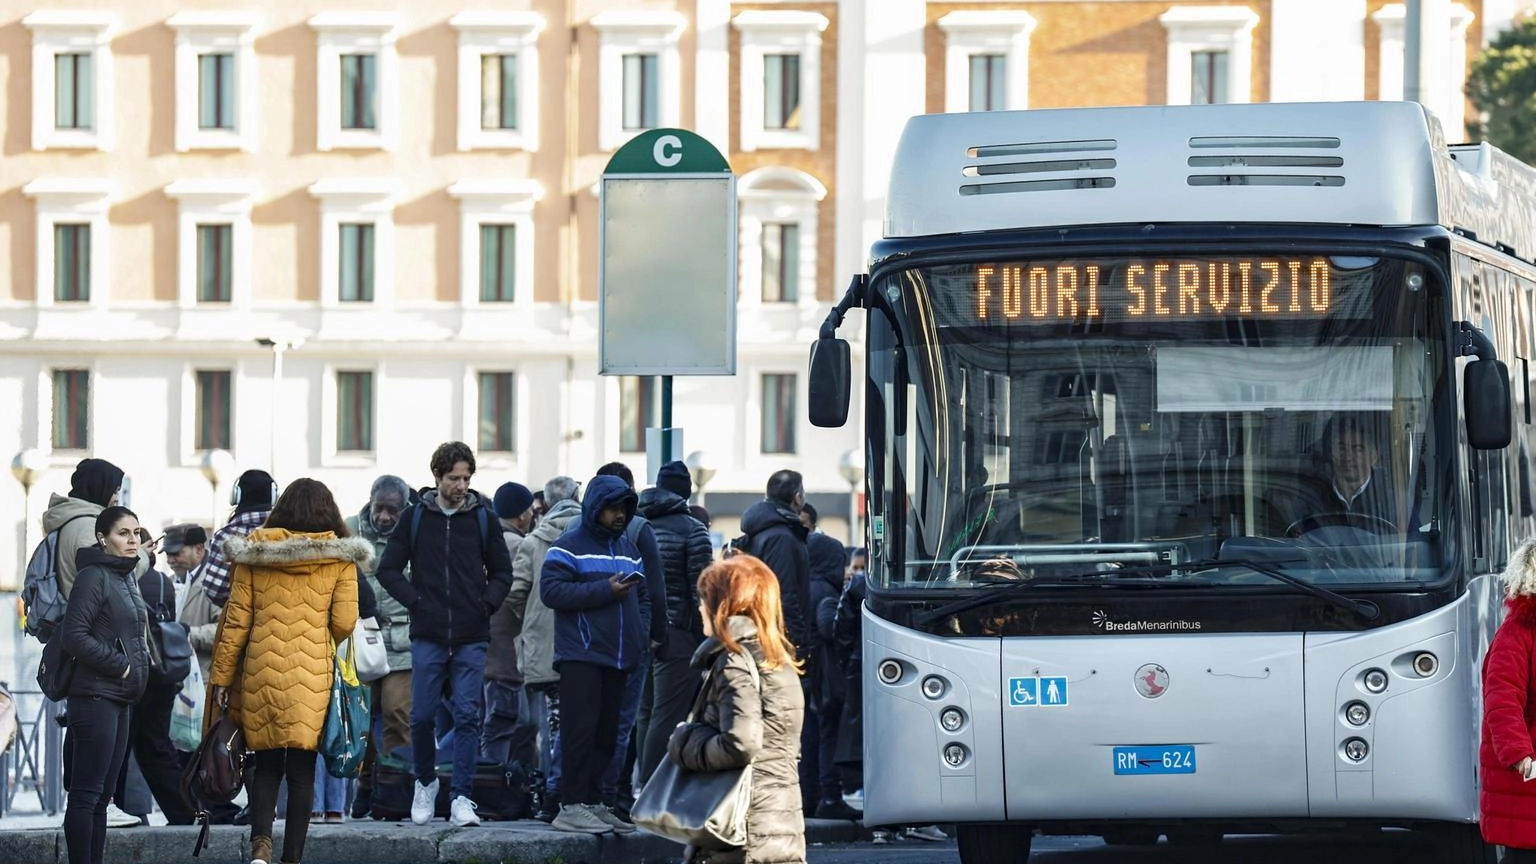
(512, 500)
(674, 478)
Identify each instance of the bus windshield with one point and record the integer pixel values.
(1155, 420)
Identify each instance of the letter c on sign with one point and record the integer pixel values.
(668, 151)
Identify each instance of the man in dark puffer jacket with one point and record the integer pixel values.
(685, 552)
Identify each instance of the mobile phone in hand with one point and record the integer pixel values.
(630, 578)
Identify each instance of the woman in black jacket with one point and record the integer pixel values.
(105, 632)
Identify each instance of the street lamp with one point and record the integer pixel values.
(278, 346)
(851, 468)
(216, 465)
(27, 466)
(700, 470)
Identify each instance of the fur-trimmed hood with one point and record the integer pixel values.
(1520, 574)
(279, 547)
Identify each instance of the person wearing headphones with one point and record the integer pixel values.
(252, 499)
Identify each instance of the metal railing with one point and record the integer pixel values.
(35, 762)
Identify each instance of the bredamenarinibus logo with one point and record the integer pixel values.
(1104, 622)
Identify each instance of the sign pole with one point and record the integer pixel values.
(666, 419)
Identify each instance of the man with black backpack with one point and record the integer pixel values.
(459, 574)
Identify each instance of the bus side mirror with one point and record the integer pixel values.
(831, 375)
(1485, 401)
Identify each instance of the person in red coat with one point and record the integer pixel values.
(1507, 803)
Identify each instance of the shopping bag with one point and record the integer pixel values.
(187, 712)
(372, 655)
(342, 742)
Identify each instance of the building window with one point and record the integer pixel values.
(354, 411)
(782, 49)
(71, 79)
(641, 91)
(498, 263)
(498, 79)
(781, 262)
(354, 274)
(986, 59)
(1207, 77)
(216, 91)
(74, 105)
(358, 98)
(637, 411)
(497, 412)
(71, 263)
(359, 82)
(215, 270)
(71, 409)
(639, 73)
(213, 409)
(781, 91)
(989, 82)
(1210, 54)
(778, 413)
(215, 80)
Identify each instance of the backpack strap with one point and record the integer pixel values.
(415, 524)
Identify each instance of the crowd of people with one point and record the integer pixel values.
(565, 628)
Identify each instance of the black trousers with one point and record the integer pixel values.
(98, 732)
(271, 767)
(588, 735)
(1519, 856)
(149, 739)
(673, 686)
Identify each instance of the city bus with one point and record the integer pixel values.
(1196, 441)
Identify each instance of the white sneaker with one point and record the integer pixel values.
(926, 832)
(579, 819)
(461, 813)
(116, 818)
(423, 803)
(612, 819)
(855, 799)
(881, 837)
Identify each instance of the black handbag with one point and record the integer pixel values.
(170, 648)
(55, 670)
(215, 774)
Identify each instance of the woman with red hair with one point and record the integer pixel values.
(752, 711)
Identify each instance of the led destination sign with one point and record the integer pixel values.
(1129, 289)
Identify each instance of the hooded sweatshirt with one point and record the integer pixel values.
(460, 570)
(592, 623)
(91, 488)
(536, 622)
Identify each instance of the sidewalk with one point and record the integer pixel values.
(370, 842)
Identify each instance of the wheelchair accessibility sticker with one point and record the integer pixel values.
(1038, 692)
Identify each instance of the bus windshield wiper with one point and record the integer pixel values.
(1145, 575)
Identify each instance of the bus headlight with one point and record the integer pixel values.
(1355, 749)
(934, 687)
(1357, 713)
(1375, 680)
(951, 719)
(954, 754)
(889, 671)
(1425, 664)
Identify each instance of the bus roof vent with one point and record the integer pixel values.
(1267, 160)
(1039, 166)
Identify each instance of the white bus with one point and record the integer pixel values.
(1196, 439)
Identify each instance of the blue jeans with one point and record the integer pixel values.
(633, 688)
(508, 732)
(458, 672)
(330, 792)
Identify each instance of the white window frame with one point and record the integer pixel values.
(73, 201)
(777, 195)
(71, 32)
(204, 202)
(972, 32)
(191, 456)
(765, 32)
(520, 394)
(1445, 97)
(1210, 28)
(483, 33)
(357, 200)
(491, 202)
(356, 33)
(621, 33)
(330, 418)
(45, 398)
(199, 33)
(796, 413)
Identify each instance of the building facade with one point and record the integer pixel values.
(325, 235)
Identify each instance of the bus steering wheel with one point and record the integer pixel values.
(1361, 521)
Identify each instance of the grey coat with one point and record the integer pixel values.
(739, 724)
(534, 620)
(394, 618)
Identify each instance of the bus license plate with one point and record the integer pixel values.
(1155, 759)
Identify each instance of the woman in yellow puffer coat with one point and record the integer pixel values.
(294, 596)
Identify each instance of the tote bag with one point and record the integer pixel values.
(368, 644)
(346, 720)
(187, 712)
(705, 808)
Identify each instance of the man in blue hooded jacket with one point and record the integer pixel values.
(594, 579)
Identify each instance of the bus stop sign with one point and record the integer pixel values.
(667, 275)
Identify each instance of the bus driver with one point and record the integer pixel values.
(1353, 488)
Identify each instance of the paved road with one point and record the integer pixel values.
(1394, 847)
